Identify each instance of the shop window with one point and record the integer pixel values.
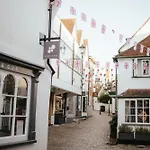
(137, 111)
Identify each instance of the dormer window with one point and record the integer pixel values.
(145, 68)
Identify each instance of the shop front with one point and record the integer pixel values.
(18, 94)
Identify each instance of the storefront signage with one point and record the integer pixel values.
(51, 50)
(14, 68)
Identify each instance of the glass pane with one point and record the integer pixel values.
(127, 111)
(21, 106)
(140, 119)
(22, 87)
(132, 118)
(5, 126)
(133, 111)
(132, 103)
(139, 103)
(9, 85)
(126, 103)
(126, 118)
(7, 105)
(146, 113)
(146, 103)
(20, 123)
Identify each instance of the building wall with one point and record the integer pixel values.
(125, 80)
(21, 22)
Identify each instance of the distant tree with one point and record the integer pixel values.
(104, 98)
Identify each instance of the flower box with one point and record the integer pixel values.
(126, 135)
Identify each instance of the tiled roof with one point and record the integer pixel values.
(133, 53)
(69, 24)
(141, 36)
(135, 93)
(79, 35)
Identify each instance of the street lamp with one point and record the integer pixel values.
(82, 50)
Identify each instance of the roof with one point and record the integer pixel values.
(69, 24)
(136, 53)
(135, 93)
(79, 35)
(141, 36)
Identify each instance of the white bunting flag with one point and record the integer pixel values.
(141, 48)
(148, 52)
(135, 46)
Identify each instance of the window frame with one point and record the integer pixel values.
(16, 138)
(136, 109)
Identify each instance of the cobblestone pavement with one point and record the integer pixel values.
(91, 134)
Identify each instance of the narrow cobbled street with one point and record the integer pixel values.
(91, 134)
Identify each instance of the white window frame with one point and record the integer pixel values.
(136, 108)
(142, 61)
(16, 138)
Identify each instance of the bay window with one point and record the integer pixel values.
(137, 111)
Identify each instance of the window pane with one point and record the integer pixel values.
(126, 103)
(140, 118)
(20, 123)
(146, 113)
(132, 118)
(146, 103)
(7, 105)
(22, 87)
(126, 118)
(145, 67)
(5, 126)
(139, 103)
(132, 103)
(133, 111)
(127, 111)
(9, 85)
(21, 106)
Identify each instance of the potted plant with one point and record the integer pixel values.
(126, 133)
(142, 134)
(113, 127)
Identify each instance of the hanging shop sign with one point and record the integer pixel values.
(51, 50)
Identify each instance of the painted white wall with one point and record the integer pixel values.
(19, 37)
(125, 80)
(65, 73)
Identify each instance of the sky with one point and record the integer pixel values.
(123, 16)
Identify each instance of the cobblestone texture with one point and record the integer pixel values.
(91, 134)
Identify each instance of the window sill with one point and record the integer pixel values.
(18, 144)
(136, 124)
(141, 77)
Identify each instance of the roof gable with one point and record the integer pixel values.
(69, 24)
(79, 35)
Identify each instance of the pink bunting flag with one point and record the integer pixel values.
(126, 65)
(120, 37)
(72, 10)
(93, 23)
(86, 64)
(58, 4)
(134, 65)
(97, 64)
(103, 29)
(107, 65)
(135, 46)
(116, 65)
(77, 63)
(141, 48)
(148, 52)
(58, 62)
(128, 41)
(68, 62)
(83, 17)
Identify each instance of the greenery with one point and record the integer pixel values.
(113, 126)
(142, 130)
(104, 98)
(125, 128)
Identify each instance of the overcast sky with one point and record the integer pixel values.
(123, 16)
